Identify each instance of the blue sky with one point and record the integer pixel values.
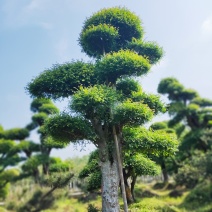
(35, 34)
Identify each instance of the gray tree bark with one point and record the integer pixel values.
(110, 185)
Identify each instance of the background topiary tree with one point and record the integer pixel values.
(102, 109)
(166, 161)
(9, 156)
(191, 117)
(187, 107)
(60, 174)
(42, 109)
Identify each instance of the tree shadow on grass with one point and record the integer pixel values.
(89, 197)
(38, 202)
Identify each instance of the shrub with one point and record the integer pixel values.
(199, 196)
(92, 208)
(153, 205)
(188, 176)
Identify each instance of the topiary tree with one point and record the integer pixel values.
(31, 166)
(142, 147)
(6, 177)
(191, 116)
(186, 106)
(167, 162)
(9, 157)
(60, 174)
(105, 97)
(42, 109)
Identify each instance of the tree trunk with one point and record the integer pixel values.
(109, 169)
(110, 184)
(45, 168)
(133, 186)
(36, 175)
(128, 189)
(129, 195)
(164, 171)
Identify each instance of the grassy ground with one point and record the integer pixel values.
(149, 198)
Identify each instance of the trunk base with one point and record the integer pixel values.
(110, 184)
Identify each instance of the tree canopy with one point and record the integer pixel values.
(105, 97)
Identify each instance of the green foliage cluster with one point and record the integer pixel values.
(122, 63)
(98, 39)
(195, 170)
(8, 154)
(94, 101)
(6, 177)
(62, 80)
(91, 172)
(200, 196)
(34, 162)
(149, 50)
(14, 134)
(118, 26)
(67, 128)
(60, 173)
(132, 113)
(150, 142)
(141, 164)
(127, 86)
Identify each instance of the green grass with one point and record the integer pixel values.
(73, 205)
(155, 200)
(149, 198)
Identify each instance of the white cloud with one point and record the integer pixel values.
(33, 5)
(207, 27)
(46, 25)
(22, 13)
(63, 49)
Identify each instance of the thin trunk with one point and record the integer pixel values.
(129, 195)
(45, 168)
(133, 186)
(128, 190)
(46, 151)
(164, 172)
(120, 169)
(36, 175)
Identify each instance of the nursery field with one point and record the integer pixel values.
(150, 197)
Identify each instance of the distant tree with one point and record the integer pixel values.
(187, 107)
(14, 134)
(6, 177)
(100, 90)
(38, 154)
(164, 160)
(191, 117)
(60, 174)
(9, 156)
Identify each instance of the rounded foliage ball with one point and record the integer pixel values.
(123, 26)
